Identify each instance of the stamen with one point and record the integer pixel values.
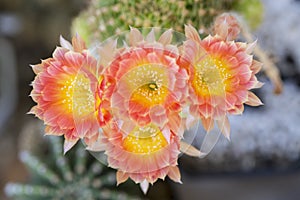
(210, 77)
(143, 140)
(152, 86)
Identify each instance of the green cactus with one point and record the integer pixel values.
(76, 175)
(103, 19)
(251, 10)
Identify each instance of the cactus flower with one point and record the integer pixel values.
(64, 89)
(221, 74)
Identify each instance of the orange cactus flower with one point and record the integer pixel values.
(145, 83)
(64, 89)
(221, 75)
(144, 154)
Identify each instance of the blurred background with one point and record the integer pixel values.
(262, 161)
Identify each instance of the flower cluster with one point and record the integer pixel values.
(134, 101)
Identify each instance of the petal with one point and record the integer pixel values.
(256, 66)
(224, 126)
(74, 60)
(96, 146)
(208, 123)
(250, 47)
(190, 121)
(65, 43)
(192, 33)
(189, 149)
(206, 110)
(174, 174)
(78, 43)
(167, 134)
(121, 177)
(258, 85)
(227, 26)
(237, 110)
(222, 30)
(253, 100)
(151, 36)
(68, 144)
(106, 52)
(144, 185)
(135, 36)
(158, 115)
(59, 54)
(49, 130)
(166, 37)
(231, 100)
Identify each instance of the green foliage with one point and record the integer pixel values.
(251, 10)
(76, 175)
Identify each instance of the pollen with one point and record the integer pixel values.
(149, 95)
(153, 86)
(211, 75)
(67, 93)
(145, 140)
(76, 95)
(148, 83)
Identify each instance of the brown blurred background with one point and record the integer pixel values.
(29, 31)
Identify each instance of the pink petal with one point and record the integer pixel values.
(241, 95)
(144, 186)
(250, 47)
(151, 36)
(106, 52)
(96, 146)
(190, 121)
(68, 144)
(49, 130)
(59, 53)
(258, 85)
(192, 33)
(222, 30)
(253, 100)
(189, 149)
(230, 100)
(65, 43)
(158, 115)
(121, 177)
(166, 37)
(175, 123)
(224, 126)
(206, 110)
(256, 66)
(227, 26)
(219, 48)
(74, 59)
(174, 174)
(135, 36)
(207, 123)
(167, 134)
(78, 43)
(237, 110)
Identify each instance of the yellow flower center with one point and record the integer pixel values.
(147, 83)
(149, 95)
(67, 93)
(210, 77)
(145, 140)
(76, 95)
